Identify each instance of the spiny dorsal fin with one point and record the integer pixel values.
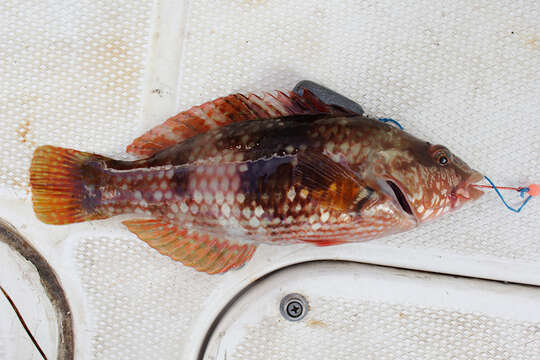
(201, 251)
(331, 183)
(227, 110)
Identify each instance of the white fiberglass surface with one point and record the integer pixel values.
(93, 75)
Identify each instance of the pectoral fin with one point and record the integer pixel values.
(201, 251)
(331, 183)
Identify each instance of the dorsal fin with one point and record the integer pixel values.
(201, 251)
(227, 110)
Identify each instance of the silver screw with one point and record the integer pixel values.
(293, 307)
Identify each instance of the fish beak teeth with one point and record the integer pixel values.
(466, 191)
(472, 192)
(463, 192)
(475, 177)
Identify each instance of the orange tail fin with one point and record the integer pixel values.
(65, 185)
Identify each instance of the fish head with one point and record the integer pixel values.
(426, 180)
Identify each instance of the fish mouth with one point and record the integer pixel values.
(400, 197)
(465, 191)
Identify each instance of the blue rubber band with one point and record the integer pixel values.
(388, 120)
(522, 191)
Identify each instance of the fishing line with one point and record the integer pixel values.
(23, 323)
(532, 190)
(392, 121)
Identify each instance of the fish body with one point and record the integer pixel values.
(221, 178)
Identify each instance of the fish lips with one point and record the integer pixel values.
(465, 192)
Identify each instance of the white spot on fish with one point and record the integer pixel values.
(161, 174)
(324, 216)
(158, 195)
(220, 170)
(214, 184)
(298, 208)
(163, 185)
(219, 197)
(149, 176)
(304, 193)
(170, 173)
(291, 194)
(330, 147)
(197, 196)
(246, 212)
(171, 215)
(124, 187)
(259, 211)
(235, 184)
(335, 157)
(138, 195)
(355, 149)
(226, 210)
(240, 198)
(289, 149)
(208, 197)
(203, 184)
(313, 218)
(254, 222)
(174, 208)
(230, 198)
(316, 226)
(225, 184)
(168, 195)
(183, 207)
(421, 209)
(243, 168)
(194, 209)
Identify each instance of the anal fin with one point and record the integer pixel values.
(203, 252)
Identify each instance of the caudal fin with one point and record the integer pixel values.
(64, 185)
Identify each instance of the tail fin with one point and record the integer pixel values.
(65, 185)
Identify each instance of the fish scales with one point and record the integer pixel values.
(218, 179)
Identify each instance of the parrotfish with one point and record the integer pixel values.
(216, 180)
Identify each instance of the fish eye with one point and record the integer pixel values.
(442, 158)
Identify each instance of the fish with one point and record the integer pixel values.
(212, 183)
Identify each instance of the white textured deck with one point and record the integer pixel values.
(95, 74)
